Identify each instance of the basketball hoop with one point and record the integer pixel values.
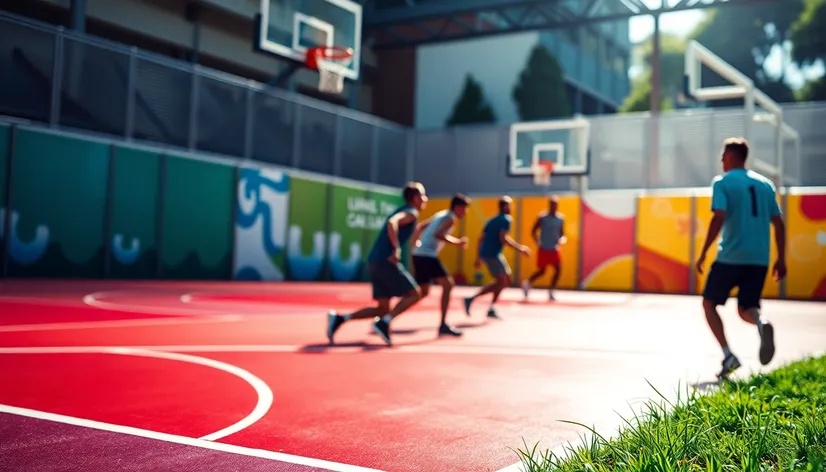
(329, 60)
(542, 173)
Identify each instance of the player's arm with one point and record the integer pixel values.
(719, 203)
(535, 231)
(414, 240)
(402, 218)
(441, 233)
(779, 238)
(562, 238)
(505, 238)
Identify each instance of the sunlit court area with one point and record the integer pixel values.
(412, 235)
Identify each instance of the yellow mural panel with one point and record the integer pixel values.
(664, 244)
(806, 247)
(480, 211)
(571, 209)
(450, 253)
(703, 214)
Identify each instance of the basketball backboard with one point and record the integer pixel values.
(289, 27)
(565, 142)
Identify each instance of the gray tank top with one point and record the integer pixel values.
(550, 230)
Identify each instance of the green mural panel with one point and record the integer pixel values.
(385, 203)
(59, 194)
(5, 137)
(198, 225)
(352, 213)
(134, 214)
(307, 234)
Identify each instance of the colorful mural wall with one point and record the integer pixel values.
(132, 212)
(608, 222)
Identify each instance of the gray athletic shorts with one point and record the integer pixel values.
(497, 265)
(390, 280)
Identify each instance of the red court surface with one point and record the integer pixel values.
(100, 376)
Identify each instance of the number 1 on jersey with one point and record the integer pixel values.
(753, 193)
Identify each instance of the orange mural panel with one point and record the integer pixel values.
(663, 244)
(480, 211)
(703, 215)
(450, 253)
(806, 247)
(570, 208)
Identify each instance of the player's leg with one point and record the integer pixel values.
(752, 280)
(555, 262)
(484, 290)
(500, 269)
(400, 284)
(541, 265)
(721, 279)
(439, 274)
(334, 320)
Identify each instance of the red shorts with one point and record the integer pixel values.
(548, 257)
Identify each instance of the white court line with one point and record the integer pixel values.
(262, 391)
(399, 349)
(119, 323)
(94, 300)
(183, 440)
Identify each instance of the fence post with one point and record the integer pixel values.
(249, 123)
(194, 104)
(131, 91)
(57, 78)
(7, 227)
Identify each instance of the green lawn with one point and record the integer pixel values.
(770, 422)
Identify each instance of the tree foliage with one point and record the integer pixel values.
(672, 57)
(540, 93)
(744, 36)
(471, 106)
(809, 46)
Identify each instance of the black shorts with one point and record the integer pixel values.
(390, 280)
(749, 279)
(426, 269)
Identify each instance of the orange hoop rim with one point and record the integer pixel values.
(333, 53)
(547, 166)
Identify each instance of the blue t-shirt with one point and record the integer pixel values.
(750, 202)
(491, 244)
(382, 249)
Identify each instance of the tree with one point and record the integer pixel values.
(672, 57)
(744, 37)
(471, 106)
(809, 46)
(540, 93)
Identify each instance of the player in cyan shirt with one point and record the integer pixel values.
(745, 207)
(388, 276)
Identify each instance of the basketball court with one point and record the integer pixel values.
(239, 376)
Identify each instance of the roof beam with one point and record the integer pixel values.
(435, 21)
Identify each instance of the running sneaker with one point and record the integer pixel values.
(448, 330)
(334, 321)
(730, 364)
(492, 314)
(766, 343)
(382, 328)
(526, 288)
(468, 301)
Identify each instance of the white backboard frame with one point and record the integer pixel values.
(299, 54)
(561, 168)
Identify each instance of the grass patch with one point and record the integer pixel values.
(770, 422)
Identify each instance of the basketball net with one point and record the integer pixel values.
(328, 61)
(542, 173)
